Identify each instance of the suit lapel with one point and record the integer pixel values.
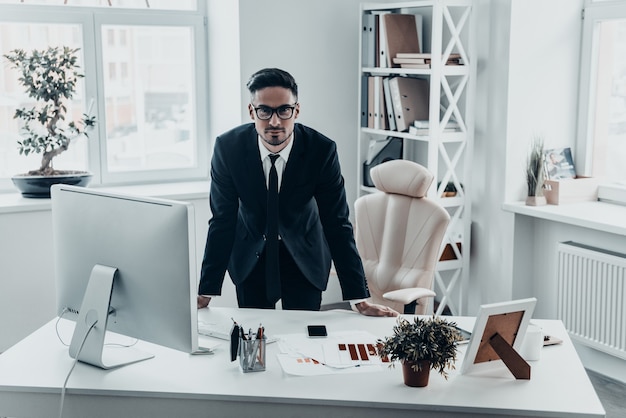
(296, 161)
(254, 168)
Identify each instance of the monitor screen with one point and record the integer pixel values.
(144, 248)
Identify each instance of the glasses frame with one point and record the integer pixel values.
(275, 110)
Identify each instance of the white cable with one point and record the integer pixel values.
(65, 310)
(63, 390)
(72, 368)
(56, 327)
(123, 345)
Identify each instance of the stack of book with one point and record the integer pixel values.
(422, 60)
(422, 127)
(454, 59)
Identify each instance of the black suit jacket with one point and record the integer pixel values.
(313, 220)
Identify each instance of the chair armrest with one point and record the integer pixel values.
(406, 296)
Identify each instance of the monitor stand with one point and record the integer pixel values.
(88, 340)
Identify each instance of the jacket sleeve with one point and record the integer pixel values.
(224, 203)
(330, 196)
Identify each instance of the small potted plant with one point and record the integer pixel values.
(421, 345)
(535, 174)
(49, 76)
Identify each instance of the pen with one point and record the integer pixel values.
(252, 354)
(234, 341)
(260, 337)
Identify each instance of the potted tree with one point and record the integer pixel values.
(49, 76)
(421, 345)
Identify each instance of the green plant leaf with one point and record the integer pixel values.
(49, 76)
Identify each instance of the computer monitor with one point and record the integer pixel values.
(126, 264)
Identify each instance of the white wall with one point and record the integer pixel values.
(491, 256)
(543, 79)
(544, 61)
(224, 66)
(527, 85)
(27, 292)
(317, 42)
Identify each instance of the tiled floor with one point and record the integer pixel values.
(612, 394)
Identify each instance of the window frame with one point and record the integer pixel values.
(594, 12)
(91, 20)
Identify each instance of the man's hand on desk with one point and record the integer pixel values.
(364, 308)
(203, 301)
(370, 309)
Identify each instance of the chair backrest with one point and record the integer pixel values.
(399, 231)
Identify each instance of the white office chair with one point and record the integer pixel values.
(399, 232)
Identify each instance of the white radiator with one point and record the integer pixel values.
(592, 295)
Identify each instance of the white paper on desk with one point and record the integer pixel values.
(304, 356)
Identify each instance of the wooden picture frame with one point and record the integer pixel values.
(497, 336)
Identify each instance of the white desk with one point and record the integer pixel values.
(174, 384)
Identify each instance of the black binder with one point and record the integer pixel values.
(391, 151)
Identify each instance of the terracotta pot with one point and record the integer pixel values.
(416, 378)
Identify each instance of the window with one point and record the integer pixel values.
(145, 80)
(601, 140)
(149, 120)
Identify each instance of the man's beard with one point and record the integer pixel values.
(275, 140)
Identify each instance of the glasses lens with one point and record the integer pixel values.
(285, 112)
(264, 112)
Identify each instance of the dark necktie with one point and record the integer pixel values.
(272, 273)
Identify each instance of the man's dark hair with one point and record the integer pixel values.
(272, 77)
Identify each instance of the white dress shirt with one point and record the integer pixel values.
(280, 163)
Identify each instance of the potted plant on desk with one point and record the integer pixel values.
(421, 345)
(49, 77)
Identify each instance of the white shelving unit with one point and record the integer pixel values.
(446, 27)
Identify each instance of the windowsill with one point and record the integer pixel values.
(14, 202)
(600, 216)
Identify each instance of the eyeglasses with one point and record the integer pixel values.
(283, 112)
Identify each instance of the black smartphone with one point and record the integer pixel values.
(317, 330)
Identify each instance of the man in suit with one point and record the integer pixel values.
(311, 212)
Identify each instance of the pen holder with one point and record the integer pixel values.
(252, 354)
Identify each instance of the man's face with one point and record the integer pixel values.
(276, 132)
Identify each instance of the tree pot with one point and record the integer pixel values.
(416, 378)
(39, 186)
